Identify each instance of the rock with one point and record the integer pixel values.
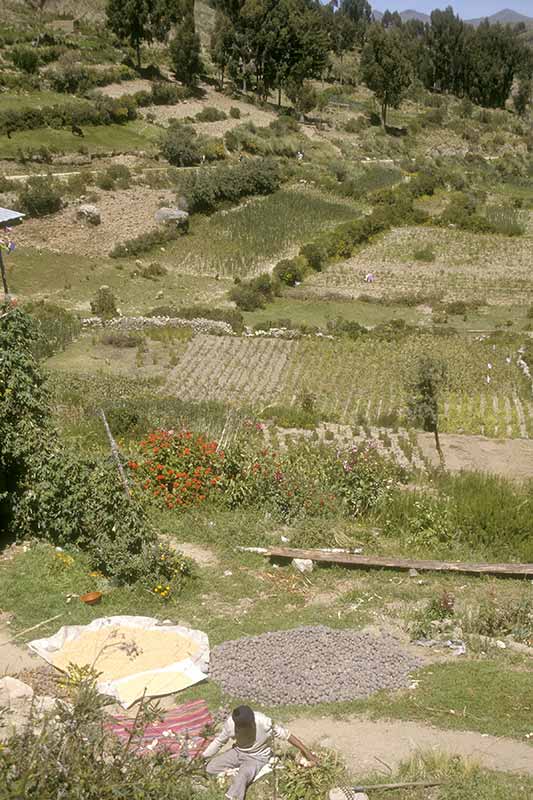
(173, 216)
(89, 213)
(348, 794)
(413, 573)
(13, 691)
(302, 564)
(20, 705)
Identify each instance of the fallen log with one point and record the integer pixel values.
(387, 562)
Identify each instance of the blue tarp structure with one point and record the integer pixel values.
(7, 216)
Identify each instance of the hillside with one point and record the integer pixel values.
(252, 304)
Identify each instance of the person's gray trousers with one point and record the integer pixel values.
(247, 764)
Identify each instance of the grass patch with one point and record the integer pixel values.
(136, 135)
(245, 240)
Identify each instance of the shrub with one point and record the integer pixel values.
(235, 112)
(189, 470)
(425, 254)
(246, 297)
(104, 303)
(115, 176)
(153, 270)
(314, 255)
(26, 59)
(208, 188)
(146, 241)
(289, 271)
(165, 94)
(40, 196)
(210, 114)
(69, 77)
(57, 327)
(179, 145)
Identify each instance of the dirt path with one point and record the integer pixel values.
(363, 743)
(14, 657)
(510, 458)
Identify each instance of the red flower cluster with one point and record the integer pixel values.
(185, 470)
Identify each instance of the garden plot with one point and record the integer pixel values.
(232, 370)
(364, 382)
(249, 239)
(125, 214)
(401, 445)
(467, 266)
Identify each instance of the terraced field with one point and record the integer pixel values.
(363, 382)
(467, 266)
(232, 370)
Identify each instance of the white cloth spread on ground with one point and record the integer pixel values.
(264, 730)
(135, 656)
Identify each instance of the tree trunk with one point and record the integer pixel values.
(4, 276)
(279, 96)
(384, 115)
(138, 51)
(438, 447)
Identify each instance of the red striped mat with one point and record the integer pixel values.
(179, 731)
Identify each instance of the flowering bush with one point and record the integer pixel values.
(182, 469)
(179, 468)
(367, 476)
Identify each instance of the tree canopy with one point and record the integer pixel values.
(385, 67)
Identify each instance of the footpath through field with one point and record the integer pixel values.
(366, 745)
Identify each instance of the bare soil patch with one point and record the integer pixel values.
(510, 458)
(125, 215)
(364, 744)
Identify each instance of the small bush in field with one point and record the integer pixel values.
(425, 254)
(122, 339)
(289, 271)
(210, 114)
(235, 113)
(179, 145)
(26, 59)
(40, 196)
(104, 303)
(314, 255)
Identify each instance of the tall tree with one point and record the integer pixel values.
(496, 57)
(447, 44)
(360, 13)
(221, 44)
(185, 52)
(385, 67)
(138, 21)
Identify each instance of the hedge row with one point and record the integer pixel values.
(392, 207)
(100, 111)
(208, 188)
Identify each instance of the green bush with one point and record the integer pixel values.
(165, 94)
(57, 328)
(235, 112)
(209, 188)
(314, 255)
(425, 254)
(289, 271)
(179, 145)
(63, 757)
(26, 59)
(115, 176)
(210, 114)
(105, 303)
(121, 339)
(100, 111)
(146, 241)
(40, 196)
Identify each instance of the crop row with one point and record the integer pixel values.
(362, 382)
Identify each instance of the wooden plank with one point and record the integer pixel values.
(385, 562)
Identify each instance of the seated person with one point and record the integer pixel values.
(252, 733)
